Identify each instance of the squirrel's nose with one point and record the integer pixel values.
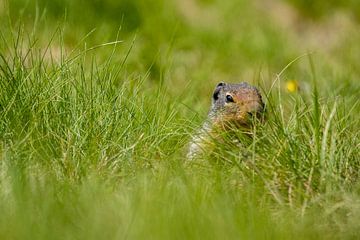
(252, 114)
(252, 107)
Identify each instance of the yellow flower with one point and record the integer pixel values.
(292, 86)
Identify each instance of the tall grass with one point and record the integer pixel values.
(93, 141)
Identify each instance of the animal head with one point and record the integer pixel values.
(236, 103)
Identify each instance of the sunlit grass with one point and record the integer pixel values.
(94, 131)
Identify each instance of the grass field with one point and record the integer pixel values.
(99, 100)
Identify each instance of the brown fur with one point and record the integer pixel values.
(233, 105)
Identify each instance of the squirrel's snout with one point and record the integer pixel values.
(255, 115)
(248, 111)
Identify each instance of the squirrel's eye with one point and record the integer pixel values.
(229, 98)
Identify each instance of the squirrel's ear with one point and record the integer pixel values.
(220, 84)
(217, 90)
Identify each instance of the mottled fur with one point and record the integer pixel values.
(233, 105)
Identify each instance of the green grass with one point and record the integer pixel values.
(99, 100)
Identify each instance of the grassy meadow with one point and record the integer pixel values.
(99, 100)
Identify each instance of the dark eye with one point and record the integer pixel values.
(229, 98)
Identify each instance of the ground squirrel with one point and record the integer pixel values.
(233, 105)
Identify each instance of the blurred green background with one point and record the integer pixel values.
(99, 100)
(185, 41)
